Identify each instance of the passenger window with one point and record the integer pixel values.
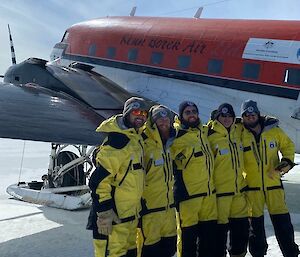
(92, 50)
(132, 54)
(292, 76)
(156, 58)
(215, 66)
(251, 70)
(184, 61)
(111, 52)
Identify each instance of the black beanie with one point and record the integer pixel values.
(225, 108)
(249, 106)
(185, 104)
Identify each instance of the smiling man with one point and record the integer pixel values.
(263, 140)
(194, 192)
(225, 139)
(158, 222)
(117, 183)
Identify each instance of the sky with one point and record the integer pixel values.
(37, 25)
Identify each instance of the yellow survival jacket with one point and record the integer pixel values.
(229, 164)
(262, 156)
(118, 180)
(193, 163)
(158, 192)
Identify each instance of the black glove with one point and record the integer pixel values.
(284, 166)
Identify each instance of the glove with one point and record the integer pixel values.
(105, 221)
(284, 166)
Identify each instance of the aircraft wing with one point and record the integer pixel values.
(31, 112)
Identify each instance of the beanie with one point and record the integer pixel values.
(134, 103)
(225, 108)
(249, 106)
(185, 104)
(160, 111)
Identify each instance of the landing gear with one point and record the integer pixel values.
(65, 184)
(66, 169)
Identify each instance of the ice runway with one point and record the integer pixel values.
(29, 230)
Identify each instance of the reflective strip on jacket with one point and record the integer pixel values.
(229, 164)
(260, 158)
(118, 181)
(193, 163)
(158, 193)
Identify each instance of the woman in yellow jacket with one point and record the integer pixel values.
(225, 140)
(158, 222)
(194, 191)
(117, 183)
(262, 140)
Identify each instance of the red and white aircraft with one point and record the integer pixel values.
(208, 61)
(100, 63)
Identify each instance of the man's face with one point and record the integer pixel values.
(226, 120)
(190, 115)
(137, 118)
(163, 124)
(250, 119)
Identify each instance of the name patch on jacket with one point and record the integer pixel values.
(223, 151)
(159, 162)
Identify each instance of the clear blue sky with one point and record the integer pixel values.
(38, 24)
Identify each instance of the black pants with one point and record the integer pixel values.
(131, 253)
(238, 235)
(284, 233)
(166, 247)
(199, 240)
(238, 229)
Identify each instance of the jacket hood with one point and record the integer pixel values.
(114, 124)
(269, 122)
(218, 127)
(152, 132)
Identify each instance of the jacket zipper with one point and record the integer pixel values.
(234, 161)
(208, 161)
(128, 168)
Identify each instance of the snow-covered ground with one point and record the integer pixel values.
(29, 230)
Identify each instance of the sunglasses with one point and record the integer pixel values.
(139, 113)
(188, 112)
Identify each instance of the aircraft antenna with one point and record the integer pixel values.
(12, 49)
(132, 13)
(198, 13)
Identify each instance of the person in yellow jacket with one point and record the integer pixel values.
(117, 183)
(194, 190)
(225, 140)
(262, 140)
(158, 222)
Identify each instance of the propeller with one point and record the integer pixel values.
(12, 49)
